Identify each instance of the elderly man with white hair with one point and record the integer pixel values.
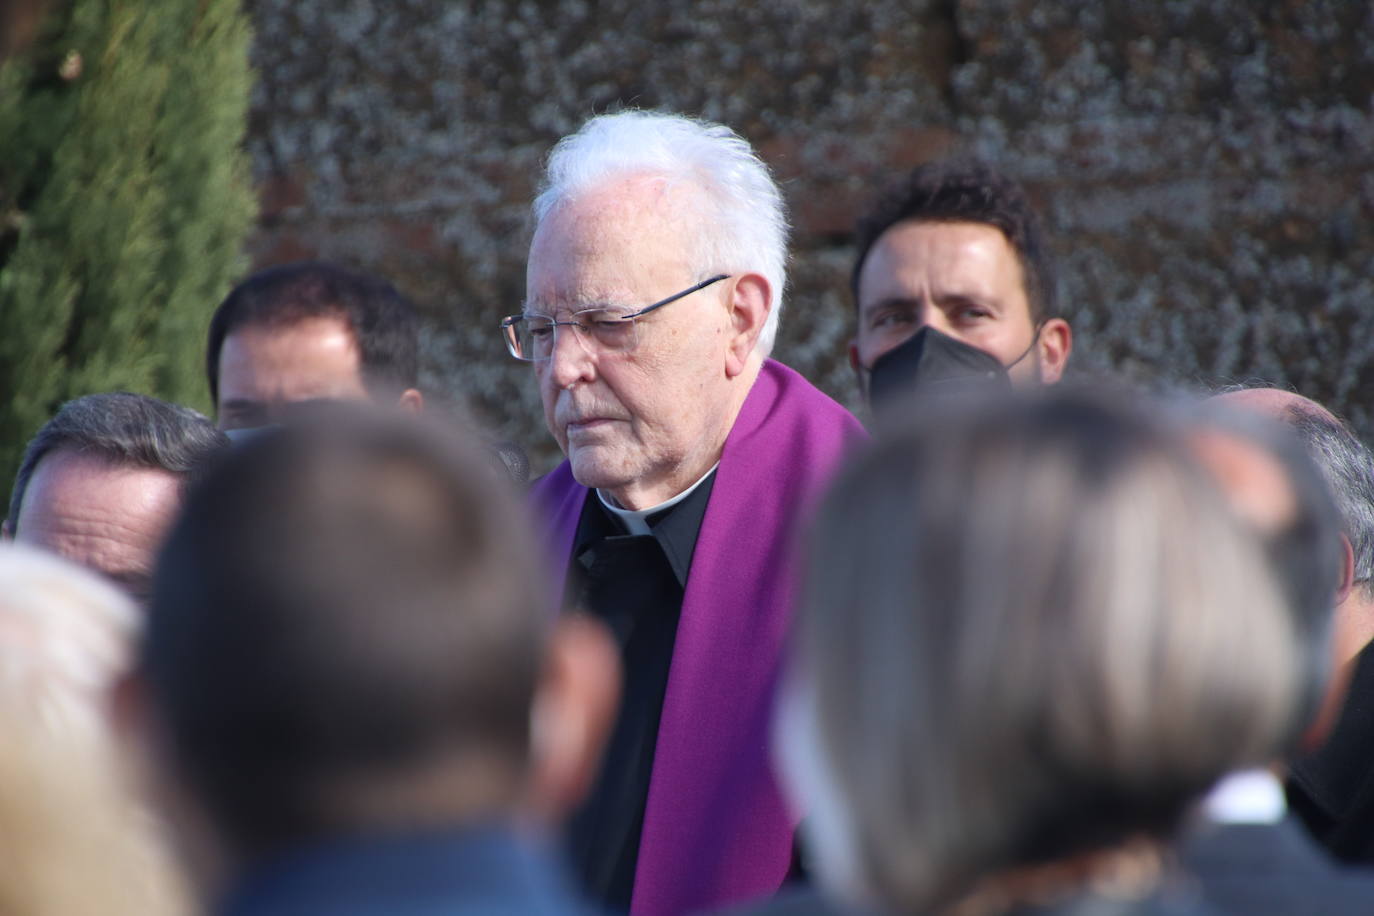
(653, 292)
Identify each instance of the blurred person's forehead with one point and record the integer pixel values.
(1254, 480)
(104, 516)
(1272, 402)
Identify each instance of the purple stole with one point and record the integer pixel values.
(716, 829)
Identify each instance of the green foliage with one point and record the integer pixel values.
(124, 200)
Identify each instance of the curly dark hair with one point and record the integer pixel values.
(965, 190)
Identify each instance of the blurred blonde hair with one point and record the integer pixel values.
(74, 844)
(75, 840)
(65, 634)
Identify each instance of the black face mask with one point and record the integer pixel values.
(932, 362)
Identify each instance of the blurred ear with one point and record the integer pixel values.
(126, 710)
(751, 300)
(145, 748)
(574, 708)
(5, 533)
(142, 743)
(860, 377)
(1055, 344)
(411, 400)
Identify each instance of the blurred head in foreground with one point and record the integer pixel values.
(75, 841)
(1018, 652)
(65, 637)
(348, 636)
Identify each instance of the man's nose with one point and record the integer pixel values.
(572, 359)
(937, 318)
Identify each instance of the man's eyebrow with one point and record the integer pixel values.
(891, 302)
(239, 404)
(579, 304)
(959, 298)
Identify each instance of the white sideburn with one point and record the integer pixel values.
(636, 521)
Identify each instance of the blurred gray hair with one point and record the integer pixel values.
(129, 430)
(742, 224)
(65, 635)
(1021, 621)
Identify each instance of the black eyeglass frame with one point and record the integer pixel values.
(510, 324)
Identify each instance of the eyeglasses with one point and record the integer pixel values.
(533, 337)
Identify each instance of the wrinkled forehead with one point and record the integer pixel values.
(99, 514)
(611, 244)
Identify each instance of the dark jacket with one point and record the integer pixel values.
(1332, 790)
(486, 871)
(1272, 868)
(809, 902)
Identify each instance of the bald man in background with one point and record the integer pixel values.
(1331, 788)
(1347, 465)
(1246, 848)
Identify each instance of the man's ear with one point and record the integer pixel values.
(751, 301)
(1055, 344)
(5, 533)
(1347, 570)
(860, 377)
(411, 400)
(128, 714)
(574, 708)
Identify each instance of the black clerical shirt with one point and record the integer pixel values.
(634, 584)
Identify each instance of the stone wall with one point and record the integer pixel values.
(1206, 167)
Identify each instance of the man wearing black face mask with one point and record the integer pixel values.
(953, 284)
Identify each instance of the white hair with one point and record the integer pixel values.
(743, 221)
(65, 635)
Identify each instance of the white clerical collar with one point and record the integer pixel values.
(636, 521)
(1246, 797)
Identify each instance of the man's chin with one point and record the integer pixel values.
(594, 471)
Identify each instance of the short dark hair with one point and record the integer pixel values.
(383, 322)
(965, 190)
(342, 603)
(129, 430)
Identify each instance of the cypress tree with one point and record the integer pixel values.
(125, 197)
